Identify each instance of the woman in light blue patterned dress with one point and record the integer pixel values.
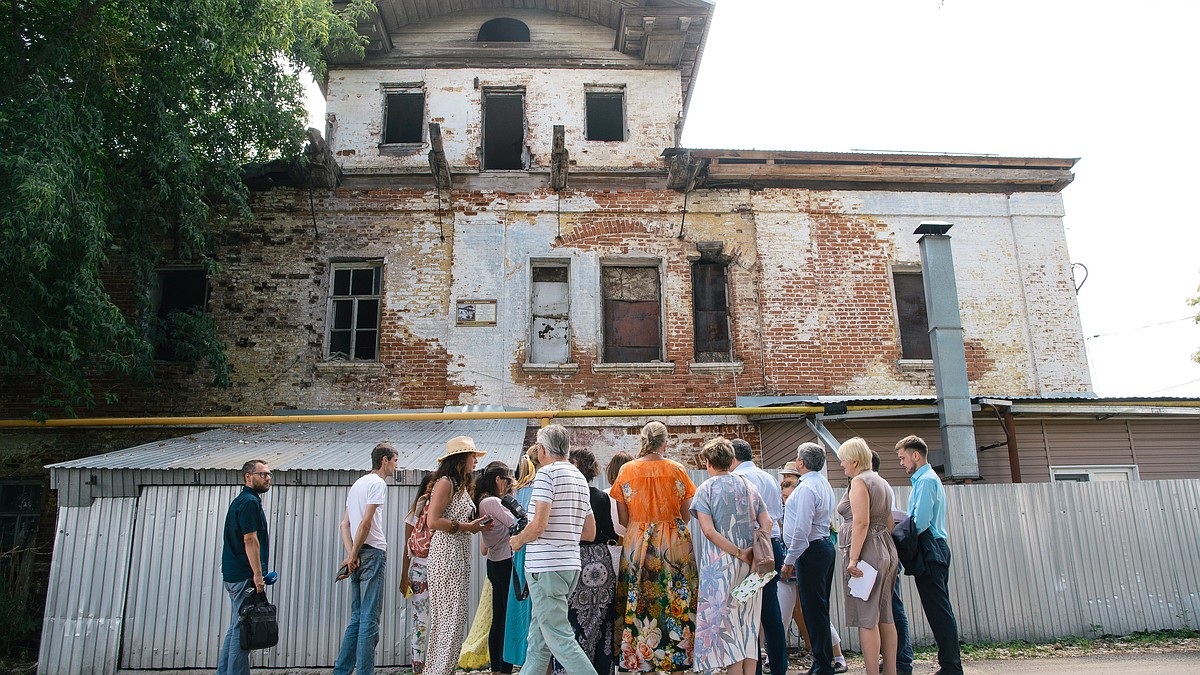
(727, 508)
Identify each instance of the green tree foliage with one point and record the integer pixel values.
(124, 123)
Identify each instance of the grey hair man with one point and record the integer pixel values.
(561, 515)
(772, 621)
(810, 550)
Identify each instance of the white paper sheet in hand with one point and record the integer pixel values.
(860, 587)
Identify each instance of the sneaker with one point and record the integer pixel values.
(839, 666)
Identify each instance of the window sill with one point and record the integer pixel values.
(718, 368)
(400, 149)
(915, 365)
(550, 368)
(349, 368)
(653, 367)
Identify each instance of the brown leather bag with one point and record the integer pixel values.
(761, 550)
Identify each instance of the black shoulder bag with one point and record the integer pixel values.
(258, 626)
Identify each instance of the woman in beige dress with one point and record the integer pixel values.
(867, 511)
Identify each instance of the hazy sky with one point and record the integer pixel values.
(1112, 83)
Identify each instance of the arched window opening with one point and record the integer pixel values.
(504, 30)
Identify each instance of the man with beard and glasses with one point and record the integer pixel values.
(244, 558)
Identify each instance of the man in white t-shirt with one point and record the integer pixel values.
(366, 559)
(561, 514)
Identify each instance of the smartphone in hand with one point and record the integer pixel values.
(487, 520)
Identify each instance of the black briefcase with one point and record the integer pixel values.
(258, 626)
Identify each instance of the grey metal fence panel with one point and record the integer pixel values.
(82, 626)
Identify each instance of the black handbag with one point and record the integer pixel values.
(258, 625)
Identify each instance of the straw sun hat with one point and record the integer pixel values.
(459, 445)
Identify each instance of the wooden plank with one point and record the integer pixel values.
(874, 173)
(898, 158)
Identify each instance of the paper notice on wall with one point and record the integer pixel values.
(860, 587)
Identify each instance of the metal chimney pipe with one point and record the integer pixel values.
(949, 357)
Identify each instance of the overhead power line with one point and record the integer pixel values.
(1134, 330)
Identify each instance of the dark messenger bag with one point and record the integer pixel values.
(258, 626)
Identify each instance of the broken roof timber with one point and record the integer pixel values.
(879, 171)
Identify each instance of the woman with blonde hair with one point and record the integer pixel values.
(866, 509)
(658, 573)
(516, 621)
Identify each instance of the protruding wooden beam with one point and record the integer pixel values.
(683, 170)
(560, 159)
(437, 157)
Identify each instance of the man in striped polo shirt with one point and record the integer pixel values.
(561, 516)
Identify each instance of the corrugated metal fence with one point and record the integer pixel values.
(135, 581)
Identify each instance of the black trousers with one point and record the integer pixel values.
(814, 575)
(499, 572)
(935, 600)
(771, 625)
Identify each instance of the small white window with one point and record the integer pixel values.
(1093, 474)
(354, 304)
(550, 312)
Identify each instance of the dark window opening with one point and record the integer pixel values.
(711, 308)
(1072, 478)
(354, 313)
(632, 314)
(503, 30)
(605, 117)
(914, 321)
(503, 131)
(181, 296)
(404, 121)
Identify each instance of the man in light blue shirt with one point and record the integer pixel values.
(810, 551)
(768, 489)
(927, 508)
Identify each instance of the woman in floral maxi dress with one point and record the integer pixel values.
(658, 573)
(727, 508)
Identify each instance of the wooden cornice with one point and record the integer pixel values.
(875, 171)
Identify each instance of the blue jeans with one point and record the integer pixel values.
(233, 660)
(772, 623)
(904, 651)
(366, 599)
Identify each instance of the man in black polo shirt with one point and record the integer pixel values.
(244, 558)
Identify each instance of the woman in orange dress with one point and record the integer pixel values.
(658, 571)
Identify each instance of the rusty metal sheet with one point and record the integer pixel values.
(632, 332)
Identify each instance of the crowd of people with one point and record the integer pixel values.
(584, 582)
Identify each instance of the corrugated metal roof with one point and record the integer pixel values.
(335, 446)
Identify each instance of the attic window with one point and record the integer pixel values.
(503, 30)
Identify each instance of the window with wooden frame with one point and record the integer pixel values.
(632, 297)
(911, 315)
(550, 312)
(354, 310)
(403, 114)
(710, 308)
(605, 113)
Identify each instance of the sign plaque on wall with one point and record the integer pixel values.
(476, 313)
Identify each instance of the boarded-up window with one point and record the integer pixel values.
(404, 117)
(354, 305)
(632, 314)
(550, 327)
(503, 130)
(914, 321)
(605, 116)
(711, 307)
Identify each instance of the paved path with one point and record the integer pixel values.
(1177, 663)
(1180, 663)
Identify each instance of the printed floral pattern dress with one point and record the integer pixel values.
(726, 628)
(658, 573)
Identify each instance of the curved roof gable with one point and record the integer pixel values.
(657, 33)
